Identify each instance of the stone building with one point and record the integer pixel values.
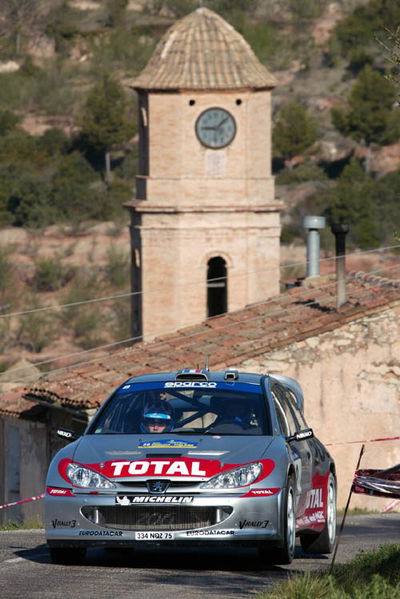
(205, 209)
(205, 224)
(347, 361)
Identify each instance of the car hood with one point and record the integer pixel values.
(112, 454)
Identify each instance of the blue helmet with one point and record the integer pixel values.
(157, 412)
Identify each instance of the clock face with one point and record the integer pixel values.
(215, 128)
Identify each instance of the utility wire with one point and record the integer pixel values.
(230, 276)
(305, 291)
(289, 309)
(258, 317)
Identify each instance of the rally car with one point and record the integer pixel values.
(194, 457)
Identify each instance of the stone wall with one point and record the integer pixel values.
(23, 467)
(351, 382)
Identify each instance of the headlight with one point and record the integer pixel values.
(84, 477)
(239, 477)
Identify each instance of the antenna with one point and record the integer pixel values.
(206, 368)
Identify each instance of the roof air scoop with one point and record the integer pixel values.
(191, 374)
(231, 375)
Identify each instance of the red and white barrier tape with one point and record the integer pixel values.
(368, 441)
(388, 508)
(34, 498)
(391, 505)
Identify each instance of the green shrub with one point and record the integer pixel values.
(85, 286)
(300, 174)
(117, 268)
(54, 142)
(70, 189)
(9, 284)
(51, 274)
(88, 326)
(262, 38)
(369, 116)
(294, 131)
(384, 561)
(385, 195)
(121, 319)
(85, 321)
(355, 36)
(306, 9)
(37, 329)
(29, 202)
(8, 121)
(371, 575)
(110, 200)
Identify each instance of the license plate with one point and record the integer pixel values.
(154, 536)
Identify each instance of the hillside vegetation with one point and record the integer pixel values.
(68, 142)
(67, 116)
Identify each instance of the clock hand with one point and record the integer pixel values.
(209, 128)
(222, 122)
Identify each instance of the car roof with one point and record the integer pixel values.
(230, 374)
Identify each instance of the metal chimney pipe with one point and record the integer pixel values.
(313, 224)
(340, 231)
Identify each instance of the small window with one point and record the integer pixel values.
(280, 414)
(282, 401)
(293, 405)
(217, 287)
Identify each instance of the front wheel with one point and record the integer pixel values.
(284, 554)
(324, 542)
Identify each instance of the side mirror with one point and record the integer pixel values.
(307, 433)
(67, 434)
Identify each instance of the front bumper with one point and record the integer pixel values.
(93, 520)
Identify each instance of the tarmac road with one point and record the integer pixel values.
(26, 569)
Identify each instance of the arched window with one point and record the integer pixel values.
(217, 287)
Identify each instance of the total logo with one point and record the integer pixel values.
(314, 499)
(159, 467)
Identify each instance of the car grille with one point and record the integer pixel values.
(140, 517)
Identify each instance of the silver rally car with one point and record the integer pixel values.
(194, 457)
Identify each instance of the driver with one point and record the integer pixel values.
(236, 411)
(157, 418)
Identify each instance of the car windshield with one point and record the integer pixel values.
(188, 407)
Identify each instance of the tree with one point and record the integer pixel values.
(20, 17)
(353, 204)
(104, 120)
(8, 121)
(370, 117)
(294, 132)
(116, 10)
(392, 48)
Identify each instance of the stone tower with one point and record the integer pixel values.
(205, 226)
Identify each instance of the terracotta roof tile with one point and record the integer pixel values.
(12, 404)
(202, 51)
(240, 335)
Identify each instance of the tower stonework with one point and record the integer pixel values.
(205, 226)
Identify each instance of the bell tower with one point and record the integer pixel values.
(205, 225)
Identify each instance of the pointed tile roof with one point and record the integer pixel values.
(202, 51)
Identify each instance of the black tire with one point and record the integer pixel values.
(284, 553)
(70, 555)
(324, 542)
